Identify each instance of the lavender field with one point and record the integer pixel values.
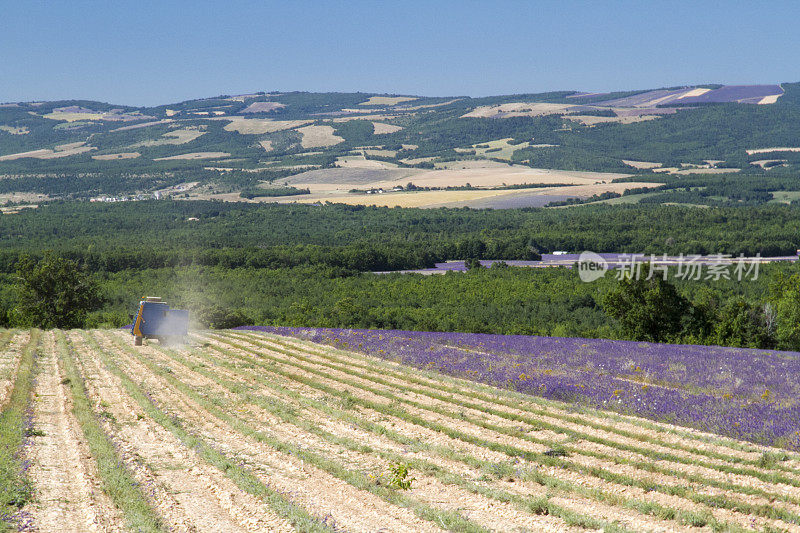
(742, 393)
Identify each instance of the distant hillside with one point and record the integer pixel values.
(343, 146)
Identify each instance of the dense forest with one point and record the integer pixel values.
(235, 264)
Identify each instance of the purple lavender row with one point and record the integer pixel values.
(742, 393)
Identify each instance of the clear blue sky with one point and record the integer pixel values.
(146, 53)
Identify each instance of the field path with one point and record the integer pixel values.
(68, 495)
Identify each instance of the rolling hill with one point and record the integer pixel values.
(503, 151)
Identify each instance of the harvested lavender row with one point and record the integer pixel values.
(738, 392)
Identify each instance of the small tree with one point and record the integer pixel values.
(473, 263)
(647, 309)
(53, 292)
(785, 296)
(742, 324)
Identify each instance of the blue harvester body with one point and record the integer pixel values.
(155, 320)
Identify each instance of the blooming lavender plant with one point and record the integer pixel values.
(743, 393)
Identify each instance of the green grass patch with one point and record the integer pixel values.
(15, 488)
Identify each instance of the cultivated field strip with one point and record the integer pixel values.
(738, 495)
(189, 494)
(728, 450)
(64, 477)
(579, 503)
(435, 506)
(665, 441)
(11, 345)
(341, 442)
(289, 468)
(242, 431)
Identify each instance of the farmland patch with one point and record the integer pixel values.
(174, 137)
(113, 157)
(194, 155)
(64, 150)
(255, 126)
(14, 130)
(318, 136)
(388, 100)
(381, 128)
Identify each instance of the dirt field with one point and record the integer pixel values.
(388, 100)
(244, 431)
(768, 150)
(111, 157)
(318, 136)
(63, 150)
(380, 128)
(257, 126)
(490, 198)
(194, 155)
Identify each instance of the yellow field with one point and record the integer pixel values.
(519, 109)
(174, 137)
(407, 199)
(194, 155)
(450, 198)
(257, 126)
(768, 150)
(63, 150)
(641, 164)
(381, 128)
(505, 152)
(318, 136)
(73, 117)
(505, 175)
(111, 157)
(22, 130)
(356, 161)
(768, 163)
(387, 100)
(362, 117)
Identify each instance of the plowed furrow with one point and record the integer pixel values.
(684, 439)
(11, 345)
(605, 448)
(343, 433)
(328, 376)
(318, 491)
(68, 492)
(431, 436)
(190, 494)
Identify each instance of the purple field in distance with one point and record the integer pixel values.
(614, 260)
(743, 94)
(737, 392)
